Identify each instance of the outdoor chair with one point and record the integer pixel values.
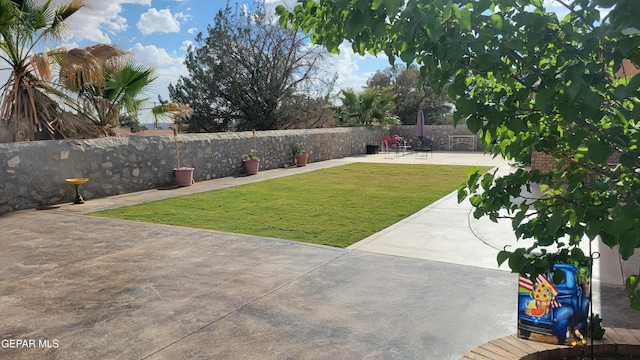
(425, 146)
(396, 143)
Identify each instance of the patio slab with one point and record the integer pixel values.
(85, 287)
(104, 288)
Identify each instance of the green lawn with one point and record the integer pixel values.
(336, 206)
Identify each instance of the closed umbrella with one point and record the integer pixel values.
(419, 131)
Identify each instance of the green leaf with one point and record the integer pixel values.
(487, 181)
(558, 276)
(515, 222)
(574, 89)
(577, 254)
(464, 18)
(599, 151)
(474, 124)
(355, 24)
(593, 229)
(474, 176)
(363, 6)
(628, 159)
(462, 194)
(543, 98)
(393, 6)
(503, 256)
(466, 106)
(447, 12)
(517, 260)
(627, 244)
(496, 21)
(606, 3)
(632, 286)
(574, 140)
(556, 220)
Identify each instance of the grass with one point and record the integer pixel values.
(336, 206)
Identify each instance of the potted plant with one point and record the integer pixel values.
(251, 160)
(175, 111)
(300, 151)
(184, 175)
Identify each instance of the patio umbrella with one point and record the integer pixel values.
(419, 131)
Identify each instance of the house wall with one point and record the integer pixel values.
(33, 174)
(546, 163)
(543, 162)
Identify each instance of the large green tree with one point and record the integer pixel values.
(411, 94)
(526, 80)
(242, 71)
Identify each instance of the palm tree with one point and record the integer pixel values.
(27, 110)
(373, 106)
(175, 111)
(118, 89)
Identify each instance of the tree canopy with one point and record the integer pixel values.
(242, 72)
(372, 106)
(526, 80)
(411, 94)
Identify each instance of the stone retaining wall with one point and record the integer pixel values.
(32, 174)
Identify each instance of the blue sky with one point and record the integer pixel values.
(158, 32)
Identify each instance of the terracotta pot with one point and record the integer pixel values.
(301, 159)
(184, 176)
(251, 166)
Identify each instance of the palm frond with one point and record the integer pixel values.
(58, 16)
(78, 68)
(27, 111)
(105, 52)
(41, 65)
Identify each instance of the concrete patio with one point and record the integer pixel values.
(81, 287)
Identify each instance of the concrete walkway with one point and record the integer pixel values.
(77, 287)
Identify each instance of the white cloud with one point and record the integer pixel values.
(185, 45)
(192, 31)
(270, 5)
(90, 22)
(182, 17)
(155, 56)
(349, 65)
(158, 21)
(118, 24)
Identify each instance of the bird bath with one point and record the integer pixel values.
(77, 182)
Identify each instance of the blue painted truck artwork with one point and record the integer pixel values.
(554, 312)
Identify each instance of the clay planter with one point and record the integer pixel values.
(251, 166)
(301, 159)
(184, 176)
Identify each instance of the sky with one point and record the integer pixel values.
(158, 33)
